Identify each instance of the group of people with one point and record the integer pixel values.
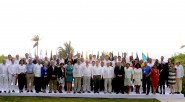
(112, 74)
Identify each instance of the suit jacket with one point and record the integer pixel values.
(67, 60)
(51, 72)
(118, 71)
(60, 72)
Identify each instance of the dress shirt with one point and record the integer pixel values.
(108, 72)
(37, 70)
(77, 70)
(21, 69)
(87, 71)
(12, 69)
(180, 71)
(29, 68)
(3, 70)
(146, 70)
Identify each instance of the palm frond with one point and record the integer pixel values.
(182, 46)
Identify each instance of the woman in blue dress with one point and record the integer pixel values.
(69, 75)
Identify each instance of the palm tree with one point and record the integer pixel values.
(66, 50)
(36, 39)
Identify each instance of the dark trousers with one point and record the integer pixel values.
(102, 85)
(146, 84)
(113, 85)
(37, 82)
(92, 84)
(44, 83)
(96, 82)
(21, 81)
(119, 85)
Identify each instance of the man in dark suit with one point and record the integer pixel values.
(119, 80)
(52, 75)
(75, 60)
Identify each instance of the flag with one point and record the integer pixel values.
(86, 55)
(144, 58)
(51, 57)
(41, 54)
(29, 53)
(122, 54)
(98, 55)
(137, 58)
(46, 53)
(35, 53)
(118, 53)
(147, 56)
(82, 54)
(56, 54)
(112, 54)
(36, 44)
(103, 55)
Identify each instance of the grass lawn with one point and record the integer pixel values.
(56, 99)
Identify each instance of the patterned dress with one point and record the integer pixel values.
(172, 76)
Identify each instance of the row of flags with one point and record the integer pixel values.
(103, 54)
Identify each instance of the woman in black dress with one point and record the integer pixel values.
(162, 78)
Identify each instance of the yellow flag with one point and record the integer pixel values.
(86, 55)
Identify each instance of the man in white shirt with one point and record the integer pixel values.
(61, 60)
(3, 77)
(87, 70)
(8, 61)
(96, 76)
(180, 75)
(12, 68)
(150, 63)
(102, 80)
(106, 60)
(37, 73)
(77, 74)
(17, 59)
(108, 74)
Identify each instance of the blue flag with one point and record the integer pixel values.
(137, 58)
(144, 58)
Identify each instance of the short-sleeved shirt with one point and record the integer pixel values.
(128, 72)
(146, 70)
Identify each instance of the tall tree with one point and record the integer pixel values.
(36, 39)
(66, 50)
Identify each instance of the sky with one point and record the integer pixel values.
(153, 26)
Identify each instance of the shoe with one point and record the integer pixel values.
(98, 92)
(0, 91)
(28, 91)
(79, 92)
(61, 92)
(49, 92)
(31, 90)
(13, 91)
(147, 94)
(37, 91)
(55, 92)
(117, 92)
(9, 91)
(143, 92)
(94, 91)
(83, 92)
(4, 91)
(89, 92)
(74, 92)
(178, 92)
(163, 93)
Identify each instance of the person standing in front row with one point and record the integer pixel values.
(180, 75)
(154, 79)
(69, 75)
(30, 75)
(172, 76)
(108, 74)
(52, 76)
(3, 77)
(21, 70)
(138, 76)
(77, 74)
(12, 69)
(128, 77)
(96, 76)
(87, 77)
(44, 76)
(37, 73)
(146, 70)
(119, 80)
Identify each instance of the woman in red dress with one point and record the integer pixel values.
(154, 78)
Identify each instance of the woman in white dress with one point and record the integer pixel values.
(137, 77)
